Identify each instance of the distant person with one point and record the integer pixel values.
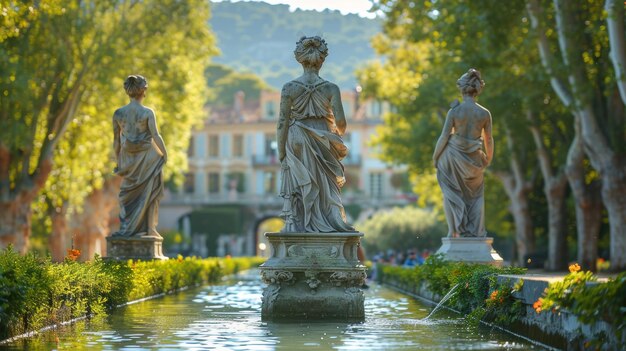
(310, 147)
(411, 260)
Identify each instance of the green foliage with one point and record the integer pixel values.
(402, 228)
(590, 303)
(473, 284)
(225, 82)
(23, 282)
(63, 64)
(425, 47)
(35, 292)
(252, 37)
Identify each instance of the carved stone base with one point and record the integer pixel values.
(145, 248)
(472, 250)
(313, 276)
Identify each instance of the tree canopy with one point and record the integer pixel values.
(63, 64)
(427, 45)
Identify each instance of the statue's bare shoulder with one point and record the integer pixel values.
(289, 88)
(484, 111)
(333, 88)
(148, 112)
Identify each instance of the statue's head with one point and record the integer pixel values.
(311, 51)
(135, 86)
(470, 83)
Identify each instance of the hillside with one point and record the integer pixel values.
(260, 38)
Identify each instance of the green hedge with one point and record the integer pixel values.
(481, 297)
(475, 285)
(34, 292)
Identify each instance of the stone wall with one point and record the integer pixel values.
(560, 330)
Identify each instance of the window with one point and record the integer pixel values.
(376, 185)
(190, 150)
(236, 181)
(271, 146)
(269, 182)
(270, 109)
(214, 183)
(189, 186)
(238, 145)
(214, 146)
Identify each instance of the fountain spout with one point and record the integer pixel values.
(440, 304)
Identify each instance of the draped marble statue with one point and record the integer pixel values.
(310, 147)
(141, 155)
(460, 159)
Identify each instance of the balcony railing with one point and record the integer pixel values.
(271, 160)
(348, 198)
(265, 160)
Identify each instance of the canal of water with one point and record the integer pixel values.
(227, 316)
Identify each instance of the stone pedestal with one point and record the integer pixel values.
(145, 248)
(313, 276)
(471, 250)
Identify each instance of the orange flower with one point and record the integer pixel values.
(494, 295)
(537, 305)
(574, 268)
(72, 254)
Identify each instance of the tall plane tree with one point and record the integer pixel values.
(58, 59)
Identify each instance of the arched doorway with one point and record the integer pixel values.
(263, 225)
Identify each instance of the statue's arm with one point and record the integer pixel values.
(154, 131)
(337, 106)
(282, 128)
(443, 139)
(116, 140)
(488, 139)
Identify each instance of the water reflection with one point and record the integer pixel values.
(227, 317)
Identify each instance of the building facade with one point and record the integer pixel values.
(233, 159)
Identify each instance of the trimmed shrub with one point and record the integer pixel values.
(34, 292)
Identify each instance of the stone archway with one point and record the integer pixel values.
(264, 223)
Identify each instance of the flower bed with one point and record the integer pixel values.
(474, 284)
(573, 313)
(34, 292)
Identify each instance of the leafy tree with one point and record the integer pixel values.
(582, 50)
(402, 228)
(426, 46)
(62, 77)
(225, 82)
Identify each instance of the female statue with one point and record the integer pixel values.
(461, 161)
(310, 148)
(141, 155)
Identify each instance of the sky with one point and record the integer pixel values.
(359, 7)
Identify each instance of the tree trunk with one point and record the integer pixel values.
(555, 185)
(59, 241)
(557, 235)
(15, 221)
(524, 234)
(92, 225)
(614, 198)
(15, 203)
(617, 40)
(588, 204)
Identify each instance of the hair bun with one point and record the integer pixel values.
(135, 85)
(470, 82)
(311, 51)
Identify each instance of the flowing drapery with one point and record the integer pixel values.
(460, 174)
